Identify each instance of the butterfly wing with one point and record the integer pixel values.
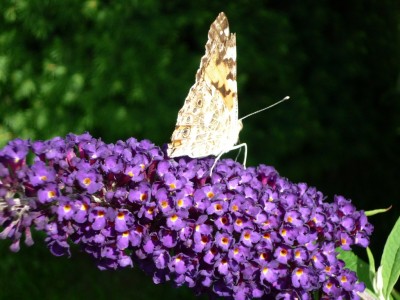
(207, 124)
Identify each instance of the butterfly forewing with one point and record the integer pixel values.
(208, 124)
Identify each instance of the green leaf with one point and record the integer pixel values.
(391, 260)
(368, 295)
(377, 211)
(378, 284)
(371, 260)
(356, 264)
(395, 295)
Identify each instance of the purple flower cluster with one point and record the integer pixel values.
(240, 233)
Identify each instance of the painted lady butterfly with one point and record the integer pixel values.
(208, 122)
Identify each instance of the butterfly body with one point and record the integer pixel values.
(208, 123)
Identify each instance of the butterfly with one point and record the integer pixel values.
(208, 123)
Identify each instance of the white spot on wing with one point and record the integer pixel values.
(231, 53)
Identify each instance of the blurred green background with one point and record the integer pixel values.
(123, 68)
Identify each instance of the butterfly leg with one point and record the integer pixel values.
(237, 155)
(244, 145)
(215, 162)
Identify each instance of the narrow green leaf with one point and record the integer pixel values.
(368, 295)
(377, 211)
(391, 260)
(378, 284)
(371, 261)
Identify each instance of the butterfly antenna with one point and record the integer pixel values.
(265, 108)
